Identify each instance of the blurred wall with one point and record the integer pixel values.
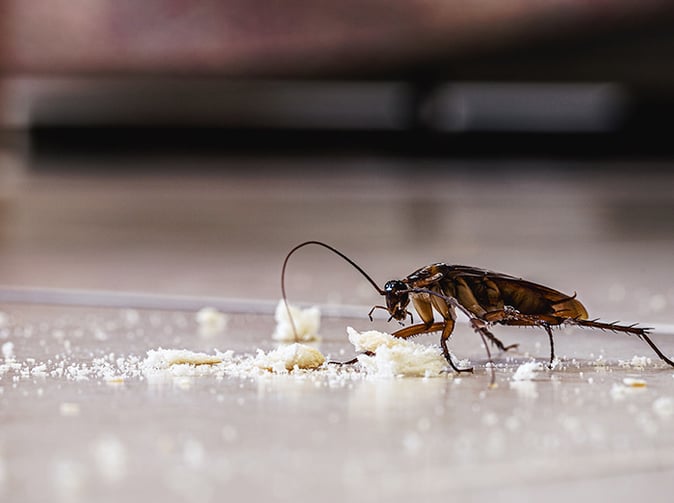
(289, 38)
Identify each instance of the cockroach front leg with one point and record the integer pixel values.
(446, 326)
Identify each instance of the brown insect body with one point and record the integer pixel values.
(485, 297)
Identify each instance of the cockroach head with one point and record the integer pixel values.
(397, 298)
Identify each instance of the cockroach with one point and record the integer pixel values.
(487, 298)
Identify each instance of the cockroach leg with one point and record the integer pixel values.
(548, 329)
(640, 332)
(351, 361)
(374, 308)
(446, 332)
(424, 328)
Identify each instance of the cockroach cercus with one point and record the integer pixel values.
(487, 298)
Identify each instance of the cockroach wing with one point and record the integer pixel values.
(527, 297)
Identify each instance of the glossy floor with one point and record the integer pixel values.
(585, 429)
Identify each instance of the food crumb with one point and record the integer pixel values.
(211, 321)
(640, 361)
(164, 358)
(634, 383)
(527, 371)
(396, 357)
(307, 323)
(289, 357)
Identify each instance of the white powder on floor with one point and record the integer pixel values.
(395, 357)
(527, 371)
(307, 323)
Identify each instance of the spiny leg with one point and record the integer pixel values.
(513, 317)
(630, 329)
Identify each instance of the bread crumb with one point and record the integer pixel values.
(640, 361)
(395, 357)
(634, 383)
(307, 322)
(164, 358)
(211, 321)
(527, 371)
(289, 357)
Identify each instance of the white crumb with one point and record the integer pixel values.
(664, 407)
(211, 321)
(289, 357)
(634, 383)
(69, 409)
(527, 371)
(8, 351)
(165, 358)
(307, 322)
(640, 361)
(396, 357)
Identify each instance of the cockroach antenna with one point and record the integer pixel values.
(335, 251)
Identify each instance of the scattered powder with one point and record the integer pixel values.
(288, 357)
(664, 407)
(640, 361)
(184, 363)
(307, 322)
(211, 321)
(527, 371)
(395, 357)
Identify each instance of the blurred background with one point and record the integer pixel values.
(183, 147)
